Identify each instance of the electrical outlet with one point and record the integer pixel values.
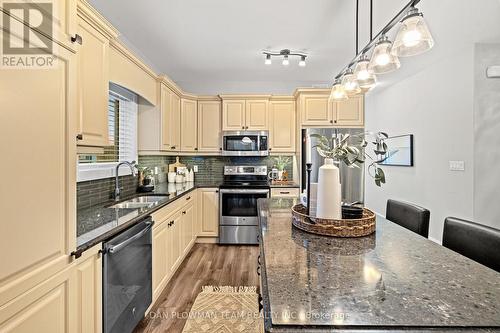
(457, 166)
(195, 168)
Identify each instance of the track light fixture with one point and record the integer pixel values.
(286, 53)
(412, 38)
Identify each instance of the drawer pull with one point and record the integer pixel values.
(285, 192)
(188, 198)
(184, 213)
(76, 39)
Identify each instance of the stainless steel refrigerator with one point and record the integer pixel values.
(352, 179)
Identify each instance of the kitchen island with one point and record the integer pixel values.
(391, 280)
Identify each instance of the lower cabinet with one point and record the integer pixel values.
(89, 291)
(285, 192)
(173, 236)
(69, 301)
(208, 212)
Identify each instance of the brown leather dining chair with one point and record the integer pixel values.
(409, 216)
(473, 240)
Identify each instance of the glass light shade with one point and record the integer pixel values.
(413, 36)
(350, 83)
(383, 61)
(338, 93)
(364, 76)
(285, 61)
(302, 62)
(268, 60)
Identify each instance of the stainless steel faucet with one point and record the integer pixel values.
(117, 185)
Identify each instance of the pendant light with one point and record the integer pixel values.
(350, 83)
(413, 36)
(383, 61)
(338, 93)
(364, 76)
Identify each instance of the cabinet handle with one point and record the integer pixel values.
(184, 213)
(196, 148)
(242, 127)
(220, 148)
(77, 39)
(331, 121)
(79, 136)
(270, 149)
(188, 198)
(173, 147)
(216, 191)
(335, 121)
(285, 192)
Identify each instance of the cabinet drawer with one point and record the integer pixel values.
(162, 214)
(285, 192)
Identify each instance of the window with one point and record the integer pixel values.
(122, 129)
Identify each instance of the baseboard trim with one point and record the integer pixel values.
(206, 240)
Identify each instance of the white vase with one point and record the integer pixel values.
(280, 174)
(329, 196)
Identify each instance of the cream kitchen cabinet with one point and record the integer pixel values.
(38, 233)
(187, 228)
(282, 126)
(209, 126)
(161, 257)
(189, 128)
(93, 85)
(285, 192)
(317, 110)
(245, 114)
(233, 115)
(51, 306)
(208, 212)
(88, 286)
(349, 113)
(256, 115)
(170, 120)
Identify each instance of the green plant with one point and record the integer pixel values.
(146, 171)
(351, 149)
(281, 162)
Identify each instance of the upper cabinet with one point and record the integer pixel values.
(233, 115)
(256, 115)
(282, 126)
(170, 120)
(316, 110)
(350, 112)
(189, 119)
(245, 113)
(209, 126)
(93, 85)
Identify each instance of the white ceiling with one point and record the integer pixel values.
(211, 47)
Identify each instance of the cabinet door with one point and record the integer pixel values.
(208, 212)
(166, 117)
(350, 112)
(48, 307)
(38, 128)
(233, 115)
(175, 125)
(161, 269)
(315, 110)
(209, 126)
(188, 126)
(188, 223)
(256, 115)
(93, 86)
(282, 126)
(175, 241)
(89, 291)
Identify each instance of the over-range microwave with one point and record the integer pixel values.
(245, 143)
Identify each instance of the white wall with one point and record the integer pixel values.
(435, 105)
(486, 137)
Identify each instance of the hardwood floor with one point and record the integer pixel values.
(206, 264)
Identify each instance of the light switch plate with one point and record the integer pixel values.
(195, 168)
(457, 166)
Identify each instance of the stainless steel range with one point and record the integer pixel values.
(242, 187)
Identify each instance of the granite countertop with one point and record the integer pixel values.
(99, 223)
(393, 279)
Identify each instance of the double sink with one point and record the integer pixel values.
(143, 201)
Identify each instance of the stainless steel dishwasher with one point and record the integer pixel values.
(127, 289)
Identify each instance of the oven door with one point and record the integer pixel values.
(239, 206)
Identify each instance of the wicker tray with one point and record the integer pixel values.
(336, 228)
